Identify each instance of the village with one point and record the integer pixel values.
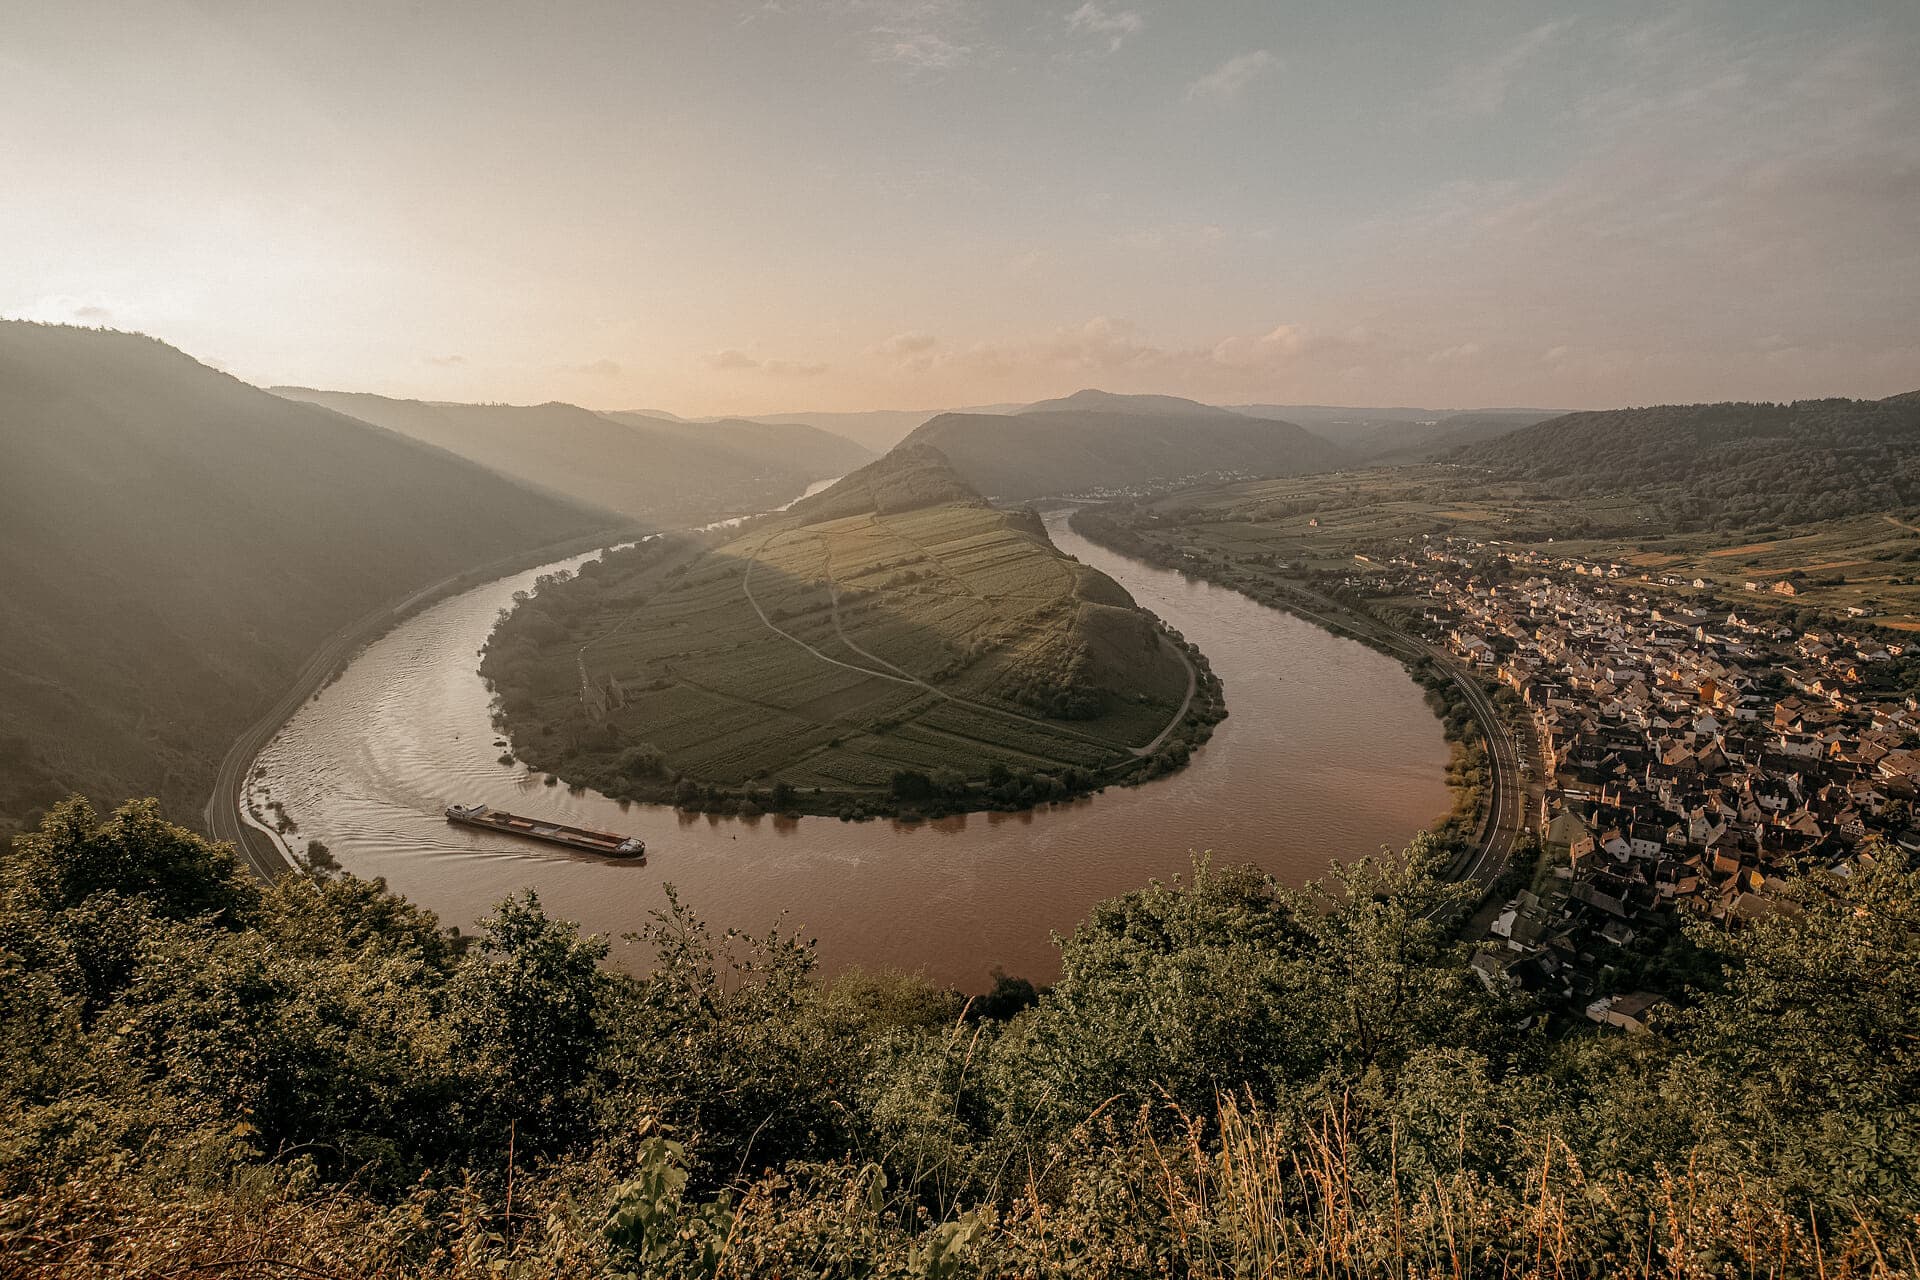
(1693, 759)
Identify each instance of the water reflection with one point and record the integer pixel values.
(1329, 751)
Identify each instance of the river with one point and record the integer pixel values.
(1328, 752)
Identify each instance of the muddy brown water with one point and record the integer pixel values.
(1329, 752)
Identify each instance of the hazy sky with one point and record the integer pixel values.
(748, 205)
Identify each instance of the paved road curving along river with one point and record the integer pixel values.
(1329, 752)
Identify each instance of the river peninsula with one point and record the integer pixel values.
(894, 646)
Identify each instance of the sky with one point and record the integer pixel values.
(748, 206)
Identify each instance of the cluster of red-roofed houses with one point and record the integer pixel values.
(1693, 762)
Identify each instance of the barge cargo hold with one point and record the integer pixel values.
(583, 838)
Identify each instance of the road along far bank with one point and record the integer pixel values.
(227, 815)
(1495, 798)
(1330, 754)
(894, 646)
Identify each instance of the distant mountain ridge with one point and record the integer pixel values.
(1740, 464)
(1130, 443)
(652, 469)
(175, 543)
(1092, 400)
(1396, 435)
(875, 429)
(1365, 432)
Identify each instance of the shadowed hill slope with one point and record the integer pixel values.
(908, 478)
(1070, 450)
(1736, 465)
(174, 543)
(666, 473)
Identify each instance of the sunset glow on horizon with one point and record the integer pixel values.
(747, 206)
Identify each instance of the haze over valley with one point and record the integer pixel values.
(951, 638)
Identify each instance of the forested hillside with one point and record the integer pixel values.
(1730, 466)
(1398, 434)
(1451, 432)
(174, 543)
(652, 469)
(1230, 1079)
(1056, 448)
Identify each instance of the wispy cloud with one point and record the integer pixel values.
(914, 36)
(1116, 348)
(1715, 188)
(1114, 26)
(913, 351)
(94, 309)
(444, 362)
(733, 359)
(1227, 80)
(598, 368)
(918, 50)
(1203, 235)
(1480, 88)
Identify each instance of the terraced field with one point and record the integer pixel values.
(947, 648)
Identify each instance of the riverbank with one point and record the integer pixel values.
(913, 665)
(228, 815)
(1487, 820)
(1331, 753)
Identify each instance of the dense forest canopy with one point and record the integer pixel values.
(1729, 465)
(1231, 1077)
(174, 544)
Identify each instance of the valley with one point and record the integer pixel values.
(934, 640)
(1317, 719)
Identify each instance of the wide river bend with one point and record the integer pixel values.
(1328, 752)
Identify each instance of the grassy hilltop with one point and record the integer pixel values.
(892, 643)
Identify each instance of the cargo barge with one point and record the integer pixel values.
(582, 838)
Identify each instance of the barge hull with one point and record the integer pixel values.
(569, 837)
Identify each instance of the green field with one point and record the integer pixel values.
(1343, 523)
(951, 641)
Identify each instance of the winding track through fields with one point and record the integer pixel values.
(226, 814)
(900, 675)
